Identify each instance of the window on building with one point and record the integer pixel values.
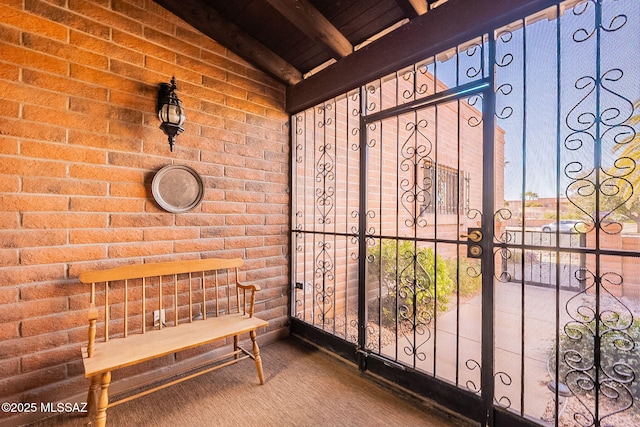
(446, 189)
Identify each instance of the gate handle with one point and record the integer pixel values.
(474, 235)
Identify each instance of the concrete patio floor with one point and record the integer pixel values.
(531, 311)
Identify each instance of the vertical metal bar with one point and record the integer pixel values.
(293, 190)
(597, 164)
(346, 222)
(397, 239)
(335, 213)
(488, 184)
(380, 188)
(458, 233)
(524, 173)
(315, 189)
(362, 229)
(435, 236)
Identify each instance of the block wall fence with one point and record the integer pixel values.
(79, 145)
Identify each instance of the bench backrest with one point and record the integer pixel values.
(131, 294)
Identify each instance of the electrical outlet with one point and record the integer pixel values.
(156, 317)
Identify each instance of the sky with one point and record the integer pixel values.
(529, 105)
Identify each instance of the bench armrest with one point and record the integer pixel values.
(254, 288)
(242, 289)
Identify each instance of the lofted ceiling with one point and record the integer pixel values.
(291, 39)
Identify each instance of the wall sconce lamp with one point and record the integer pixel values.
(170, 111)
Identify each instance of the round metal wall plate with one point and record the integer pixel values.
(177, 188)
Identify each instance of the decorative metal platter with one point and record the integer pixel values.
(177, 188)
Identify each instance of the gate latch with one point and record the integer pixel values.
(474, 237)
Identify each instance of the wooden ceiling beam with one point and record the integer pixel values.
(311, 22)
(413, 8)
(456, 21)
(206, 19)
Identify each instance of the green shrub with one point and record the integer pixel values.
(412, 278)
(619, 356)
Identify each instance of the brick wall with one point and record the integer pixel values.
(79, 144)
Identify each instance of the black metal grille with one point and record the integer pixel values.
(388, 177)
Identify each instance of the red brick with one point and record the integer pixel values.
(31, 23)
(9, 220)
(33, 59)
(67, 18)
(64, 186)
(20, 92)
(24, 382)
(174, 44)
(60, 321)
(64, 51)
(56, 289)
(105, 173)
(141, 220)
(63, 220)
(126, 21)
(140, 249)
(195, 38)
(9, 368)
(26, 345)
(64, 85)
(8, 257)
(29, 167)
(30, 238)
(200, 220)
(69, 120)
(45, 359)
(9, 184)
(9, 109)
(128, 190)
(173, 233)
(25, 274)
(8, 295)
(135, 43)
(33, 203)
(107, 204)
(198, 245)
(222, 232)
(24, 310)
(95, 44)
(33, 130)
(63, 254)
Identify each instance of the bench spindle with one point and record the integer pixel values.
(126, 307)
(144, 305)
(175, 300)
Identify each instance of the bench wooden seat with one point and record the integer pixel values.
(218, 308)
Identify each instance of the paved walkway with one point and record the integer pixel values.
(537, 323)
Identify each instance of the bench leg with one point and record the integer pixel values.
(103, 401)
(236, 346)
(256, 356)
(91, 396)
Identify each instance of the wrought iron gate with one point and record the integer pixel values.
(424, 202)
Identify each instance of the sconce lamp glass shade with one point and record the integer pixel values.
(170, 111)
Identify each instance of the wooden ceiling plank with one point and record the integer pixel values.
(413, 8)
(207, 20)
(315, 25)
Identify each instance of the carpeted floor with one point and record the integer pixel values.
(304, 387)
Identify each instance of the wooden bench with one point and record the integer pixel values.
(206, 304)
